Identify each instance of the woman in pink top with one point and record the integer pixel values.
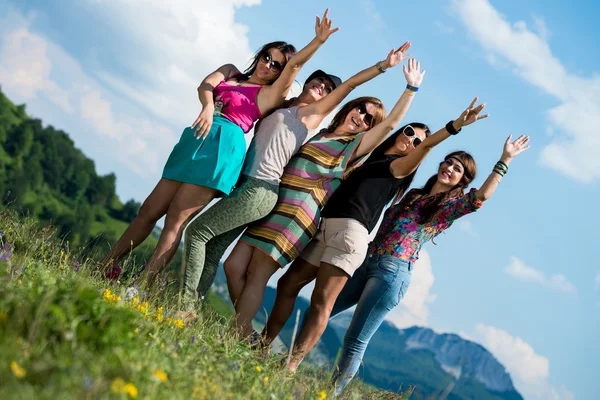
(207, 161)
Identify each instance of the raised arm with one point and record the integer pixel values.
(511, 150)
(272, 96)
(318, 110)
(204, 121)
(376, 135)
(404, 166)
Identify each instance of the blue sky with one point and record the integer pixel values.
(519, 277)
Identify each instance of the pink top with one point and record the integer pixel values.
(237, 104)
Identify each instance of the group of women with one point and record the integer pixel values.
(306, 197)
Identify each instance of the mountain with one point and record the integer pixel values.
(434, 363)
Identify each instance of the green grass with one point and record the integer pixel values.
(66, 333)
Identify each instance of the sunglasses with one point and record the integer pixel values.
(362, 109)
(410, 133)
(267, 58)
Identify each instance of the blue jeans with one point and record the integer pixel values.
(376, 287)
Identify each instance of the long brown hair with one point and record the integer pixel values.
(287, 49)
(341, 115)
(434, 202)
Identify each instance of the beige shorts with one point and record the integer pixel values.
(341, 242)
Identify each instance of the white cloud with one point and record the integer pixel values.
(414, 307)
(519, 270)
(25, 68)
(442, 27)
(529, 370)
(195, 38)
(574, 153)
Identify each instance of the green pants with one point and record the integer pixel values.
(209, 235)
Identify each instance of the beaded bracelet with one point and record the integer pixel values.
(413, 88)
(498, 171)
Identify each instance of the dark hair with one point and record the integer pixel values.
(287, 49)
(433, 204)
(340, 116)
(388, 144)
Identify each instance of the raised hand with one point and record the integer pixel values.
(323, 28)
(413, 74)
(395, 57)
(202, 124)
(511, 150)
(470, 115)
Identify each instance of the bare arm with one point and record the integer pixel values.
(203, 123)
(315, 113)
(376, 135)
(271, 96)
(402, 167)
(511, 150)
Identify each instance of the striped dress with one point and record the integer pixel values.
(307, 183)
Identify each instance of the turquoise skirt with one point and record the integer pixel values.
(215, 162)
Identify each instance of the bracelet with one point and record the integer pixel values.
(413, 88)
(501, 167)
(409, 92)
(379, 67)
(450, 128)
(499, 172)
(502, 163)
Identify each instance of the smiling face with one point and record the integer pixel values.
(359, 119)
(317, 88)
(451, 172)
(405, 142)
(270, 64)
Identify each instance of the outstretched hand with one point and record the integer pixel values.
(413, 74)
(470, 115)
(511, 150)
(323, 28)
(395, 57)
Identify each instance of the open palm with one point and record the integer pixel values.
(395, 57)
(511, 150)
(323, 28)
(471, 114)
(413, 73)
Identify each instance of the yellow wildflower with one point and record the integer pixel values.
(258, 368)
(159, 317)
(17, 370)
(160, 375)
(61, 266)
(137, 330)
(266, 379)
(175, 355)
(134, 301)
(252, 388)
(322, 394)
(117, 385)
(143, 307)
(178, 323)
(131, 390)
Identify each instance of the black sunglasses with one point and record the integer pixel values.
(362, 109)
(410, 133)
(267, 58)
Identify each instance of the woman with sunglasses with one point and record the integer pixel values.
(276, 138)
(207, 161)
(307, 183)
(383, 279)
(340, 245)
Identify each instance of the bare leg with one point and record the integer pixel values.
(188, 202)
(261, 268)
(236, 269)
(330, 282)
(299, 274)
(154, 208)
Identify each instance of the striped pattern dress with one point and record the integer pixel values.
(307, 183)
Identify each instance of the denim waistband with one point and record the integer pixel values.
(374, 257)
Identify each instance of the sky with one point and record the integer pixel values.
(520, 276)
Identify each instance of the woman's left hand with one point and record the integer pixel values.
(323, 28)
(413, 74)
(511, 150)
(395, 57)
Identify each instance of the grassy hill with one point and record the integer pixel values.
(67, 333)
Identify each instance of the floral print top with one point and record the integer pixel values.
(400, 236)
